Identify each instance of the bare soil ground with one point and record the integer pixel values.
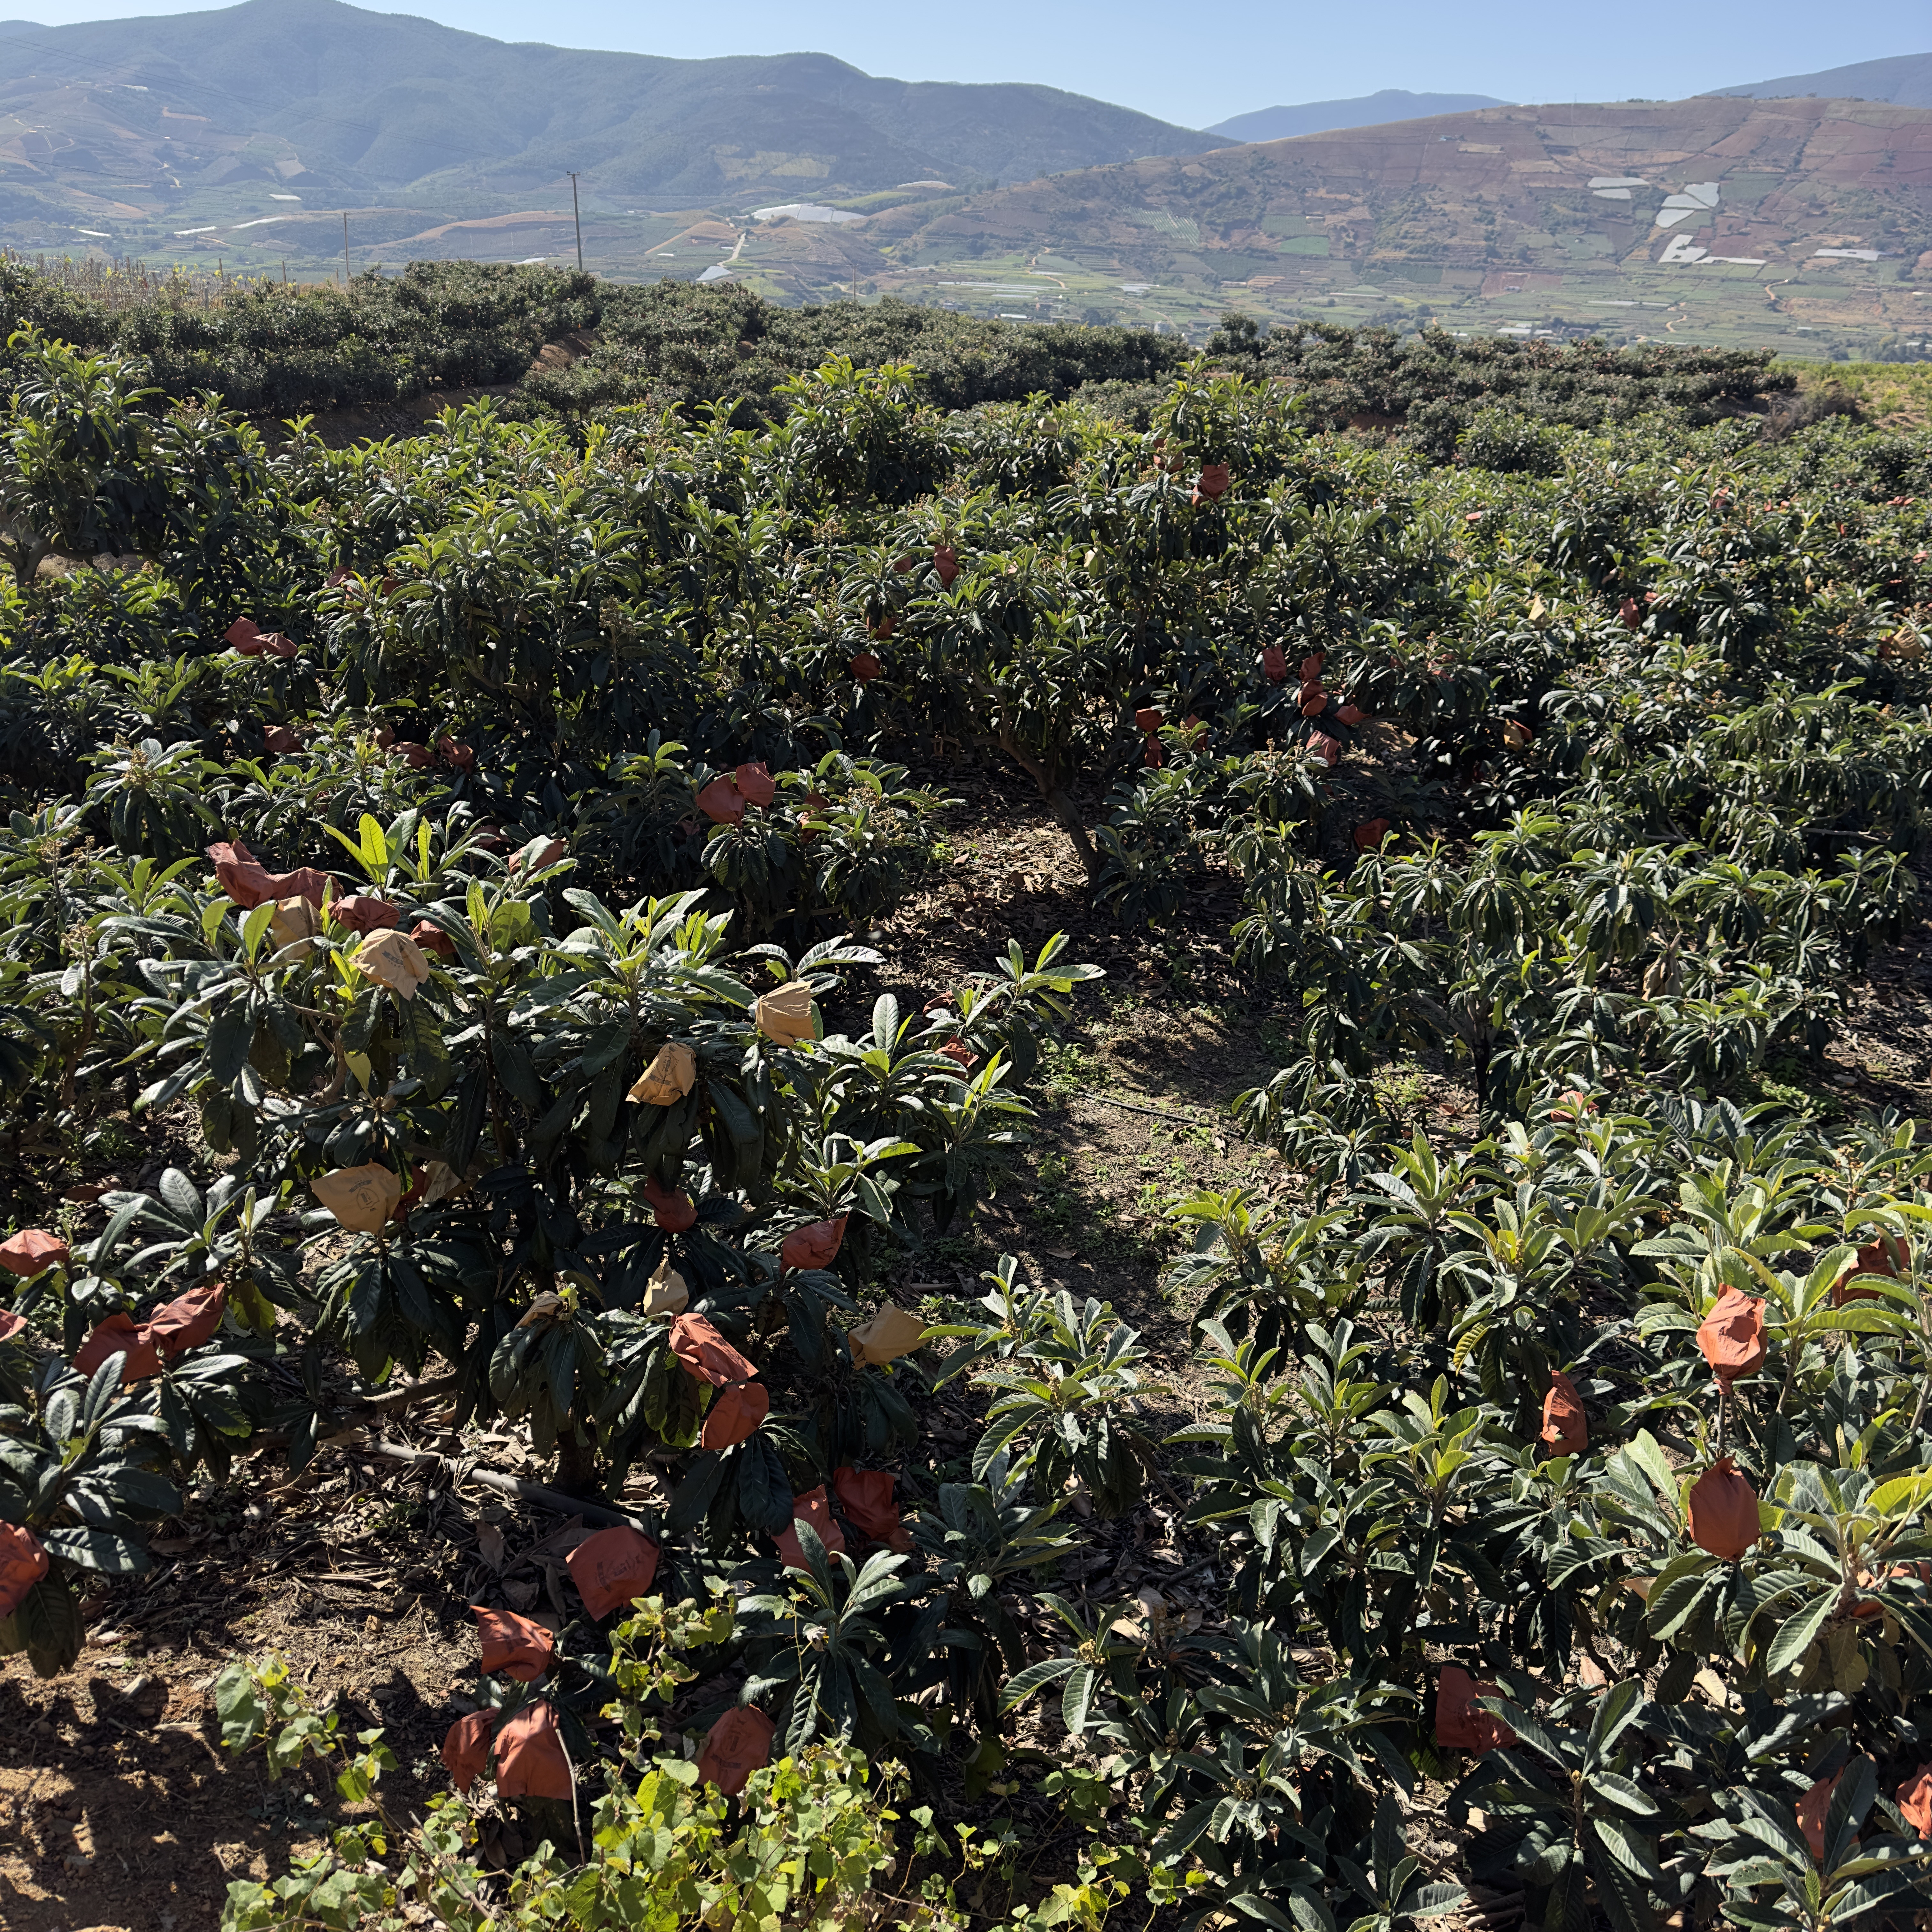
(118, 1809)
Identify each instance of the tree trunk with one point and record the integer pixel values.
(28, 547)
(576, 1465)
(1066, 814)
(1059, 801)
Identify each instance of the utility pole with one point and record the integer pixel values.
(577, 216)
(345, 251)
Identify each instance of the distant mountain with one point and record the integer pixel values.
(1906, 80)
(366, 106)
(20, 27)
(1560, 194)
(1721, 220)
(1368, 110)
(1552, 192)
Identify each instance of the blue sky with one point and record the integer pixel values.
(1201, 63)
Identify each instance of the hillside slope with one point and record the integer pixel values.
(143, 113)
(1367, 110)
(1905, 80)
(1733, 217)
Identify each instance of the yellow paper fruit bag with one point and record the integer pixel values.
(361, 1197)
(668, 1077)
(785, 1015)
(890, 1333)
(441, 1182)
(395, 960)
(668, 1293)
(296, 923)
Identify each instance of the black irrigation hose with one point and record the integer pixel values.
(1159, 1114)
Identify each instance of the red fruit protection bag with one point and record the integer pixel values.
(739, 1743)
(1459, 1724)
(466, 1749)
(612, 1568)
(705, 1355)
(1565, 1428)
(813, 1508)
(1724, 1511)
(513, 1646)
(531, 1762)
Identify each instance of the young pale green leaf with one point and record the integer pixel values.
(1643, 1449)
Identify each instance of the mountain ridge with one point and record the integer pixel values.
(1366, 110)
(507, 118)
(1905, 80)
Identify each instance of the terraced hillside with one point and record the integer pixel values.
(1717, 219)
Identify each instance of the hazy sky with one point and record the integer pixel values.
(1200, 63)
